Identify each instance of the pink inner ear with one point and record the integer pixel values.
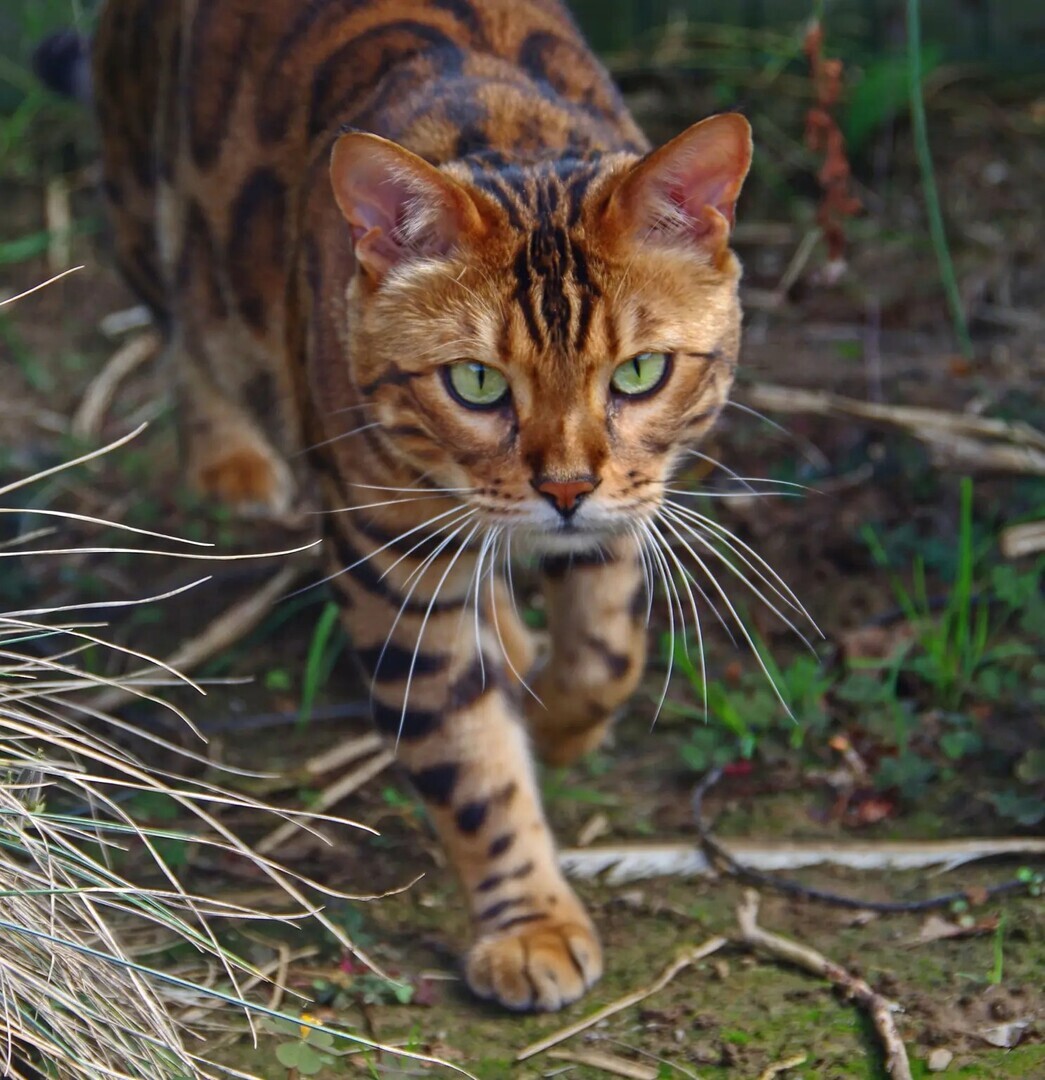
(691, 184)
(397, 205)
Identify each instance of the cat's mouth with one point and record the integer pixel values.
(567, 537)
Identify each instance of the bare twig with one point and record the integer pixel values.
(881, 1009)
(607, 1063)
(959, 851)
(779, 1067)
(337, 791)
(87, 420)
(971, 441)
(680, 963)
(224, 631)
(617, 864)
(1019, 540)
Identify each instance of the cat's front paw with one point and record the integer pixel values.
(540, 966)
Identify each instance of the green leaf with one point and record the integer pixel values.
(278, 679)
(289, 1054)
(959, 744)
(300, 1056)
(1026, 810)
(1031, 767)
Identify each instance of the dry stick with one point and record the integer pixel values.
(680, 963)
(1019, 540)
(337, 791)
(224, 631)
(855, 988)
(87, 420)
(607, 1063)
(716, 852)
(974, 442)
(778, 1067)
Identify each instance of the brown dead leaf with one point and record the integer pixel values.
(937, 928)
(875, 642)
(869, 810)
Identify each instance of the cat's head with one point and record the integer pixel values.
(546, 339)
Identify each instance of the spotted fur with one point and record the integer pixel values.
(325, 203)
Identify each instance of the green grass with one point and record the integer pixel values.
(958, 664)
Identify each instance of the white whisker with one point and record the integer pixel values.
(424, 623)
(428, 492)
(672, 595)
(480, 559)
(809, 449)
(372, 506)
(647, 570)
(508, 574)
(708, 459)
(731, 609)
(740, 575)
(465, 514)
(773, 581)
(377, 551)
(414, 579)
(686, 578)
(497, 629)
(703, 494)
(336, 438)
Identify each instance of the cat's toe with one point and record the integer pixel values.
(538, 967)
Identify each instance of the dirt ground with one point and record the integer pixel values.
(880, 334)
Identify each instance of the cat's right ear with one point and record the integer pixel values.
(398, 206)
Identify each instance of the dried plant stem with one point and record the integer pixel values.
(224, 631)
(680, 963)
(881, 1009)
(920, 129)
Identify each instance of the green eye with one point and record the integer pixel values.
(476, 385)
(640, 375)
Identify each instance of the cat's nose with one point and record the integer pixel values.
(566, 495)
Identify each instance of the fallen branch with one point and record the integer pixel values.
(880, 1008)
(971, 441)
(618, 864)
(1019, 540)
(960, 851)
(680, 963)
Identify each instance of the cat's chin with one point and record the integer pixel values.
(563, 541)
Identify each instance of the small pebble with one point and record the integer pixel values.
(939, 1059)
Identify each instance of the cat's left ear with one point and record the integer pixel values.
(398, 206)
(686, 192)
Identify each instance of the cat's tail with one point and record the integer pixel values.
(62, 62)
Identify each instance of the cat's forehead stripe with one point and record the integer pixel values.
(554, 287)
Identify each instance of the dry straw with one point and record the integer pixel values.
(74, 1000)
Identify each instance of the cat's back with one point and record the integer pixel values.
(269, 73)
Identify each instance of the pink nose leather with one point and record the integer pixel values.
(566, 493)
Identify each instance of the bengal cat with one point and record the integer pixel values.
(424, 241)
